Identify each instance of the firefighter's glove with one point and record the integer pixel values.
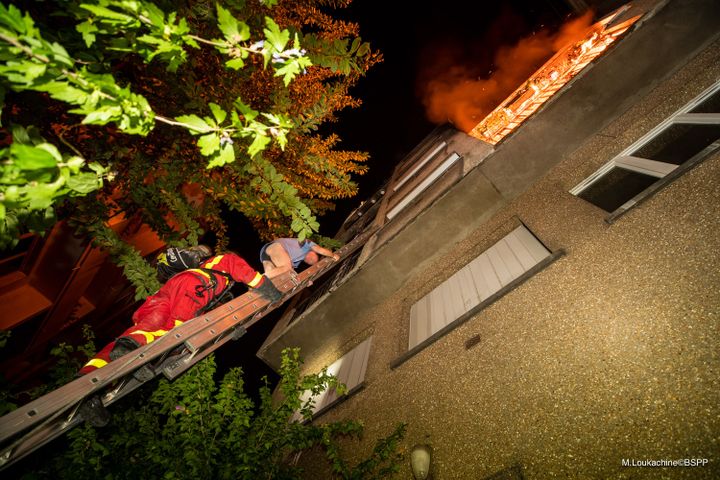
(268, 290)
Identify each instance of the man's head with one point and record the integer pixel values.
(311, 258)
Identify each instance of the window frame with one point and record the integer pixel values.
(663, 171)
(552, 256)
(448, 162)
(328, 398)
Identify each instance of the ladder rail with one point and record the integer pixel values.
(51, 415)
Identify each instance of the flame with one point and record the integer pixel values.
(471, 104)
(550, 78)
(457, 95)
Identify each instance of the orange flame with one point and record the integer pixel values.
(550, 78)
(464, 101)
(457, 97)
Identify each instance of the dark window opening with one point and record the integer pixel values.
(709, 105)
(615, 188)
(679, 142)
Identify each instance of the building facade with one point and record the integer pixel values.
(548, 306)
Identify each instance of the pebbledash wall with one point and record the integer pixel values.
(607, 351)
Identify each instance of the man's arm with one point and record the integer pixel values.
(325, 252)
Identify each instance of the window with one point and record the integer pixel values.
(416, 168)
(425, 183)
(673, 147)
(350, 370)
(499, 269)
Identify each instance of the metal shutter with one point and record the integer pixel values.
(350, 370)
(508, 259)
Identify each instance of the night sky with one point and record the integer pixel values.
(419, 41)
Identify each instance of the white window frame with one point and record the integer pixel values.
(652, 167)
(434, 175)
(419, 165)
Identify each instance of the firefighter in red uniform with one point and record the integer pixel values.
(183, 297)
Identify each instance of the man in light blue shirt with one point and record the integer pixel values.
(285, 254)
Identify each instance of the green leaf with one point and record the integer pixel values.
(2, 102)
(103, 115)
(31, 158)
(291, 68)
(154, 14)
(277, 38)
(75, 163)
(363, 50)
(227, 23)
(209, 144)
(355, 45)
(43, 195)
(88, 31)
(64, 92)
(12, 17)
(258, 144)
(97, 168)
(217, 112)
(84, 183)
(227, 154)
(235, 63)
(195, 124)
(61, 55)
(106, 13)
(52, 150)
(247, 112)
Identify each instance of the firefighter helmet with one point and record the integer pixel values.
(175, 260)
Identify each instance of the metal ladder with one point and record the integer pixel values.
(33, 425)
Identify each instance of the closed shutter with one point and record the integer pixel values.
(498, 266)
(350, 370)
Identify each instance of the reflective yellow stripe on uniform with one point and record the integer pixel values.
(197, 270)
(213, 262)
(178, 323)
(256, 281)
(149, 336)
(96, 362)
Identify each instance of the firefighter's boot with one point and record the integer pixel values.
(123, 346)
(94, 412)
(268, 290)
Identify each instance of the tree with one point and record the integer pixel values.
(122, 106)
(196, 428)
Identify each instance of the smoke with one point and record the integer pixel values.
(453, 91)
